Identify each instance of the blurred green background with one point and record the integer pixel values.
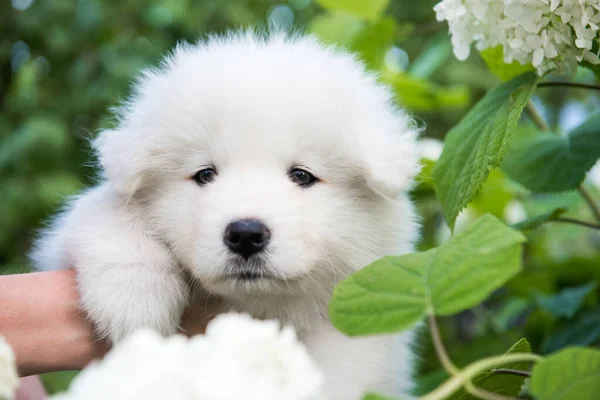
(64, 63)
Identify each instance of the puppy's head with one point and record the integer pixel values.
(267, 164)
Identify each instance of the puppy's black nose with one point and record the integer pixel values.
(246, 237)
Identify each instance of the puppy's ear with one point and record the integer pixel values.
(119, 158)
(392, 160)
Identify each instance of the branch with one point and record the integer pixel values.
(484, 394)
(536, 117)
(470, 371)
(575, 222)
(517, 372)
(590, 202)
(569, 84)
(440, 350)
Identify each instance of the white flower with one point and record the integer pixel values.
(514, 212)
(238, 358)
(546, 33)
(593, 176)
(9, 380)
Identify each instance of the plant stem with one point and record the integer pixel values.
(484, 394)
(440, 350)
(570, 84)
(590, 202)
(536, 117)
(518, 372)
(575, 222)
(470, 371)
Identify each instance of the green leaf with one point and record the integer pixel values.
(370, 9)
(336, 28)
(595, 68)
(59, 381)
(10, 269)
(394, 293)
(552, 163)
(495, 194)
(373, 396)
(436, 53)
(570, 374)
(542, 203)
(420, 94)
(494, 58)
(583, 331)
(539, 220)
(374, 41)
(424, 178)
(370, 41)
(477, 144)
(567, 302)
(508, 385)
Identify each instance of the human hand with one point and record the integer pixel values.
(40, 318)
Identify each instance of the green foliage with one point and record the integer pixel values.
(539, 220)
(371, 40)
(63, 64)
(56, 382)
(477, 144)
(573, 373)
(394, 293)
(437, 52)
(566, 302)
(374, 41)
(373, 396)
(509, 385)
(552, 163)
(494, 58)
(422, 95)
(583, 330)
(337, 28)
(494, 196)
(366, 9)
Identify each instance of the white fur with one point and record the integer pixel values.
(252, 106)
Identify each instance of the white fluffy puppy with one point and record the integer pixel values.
(263, 168)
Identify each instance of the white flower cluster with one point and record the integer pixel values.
(9, 380)
(238, 358)
(546, 33)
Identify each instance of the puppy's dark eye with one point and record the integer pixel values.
(302, 177)
(205, 176)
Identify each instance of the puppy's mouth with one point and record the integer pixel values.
(250, 270)
(249, 276)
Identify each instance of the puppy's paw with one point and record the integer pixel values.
(126, 278)
(121, 298)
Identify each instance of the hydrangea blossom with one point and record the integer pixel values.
(546, 33)
(238, 358)
(9, 380)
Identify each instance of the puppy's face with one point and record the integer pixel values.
(273, 167)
